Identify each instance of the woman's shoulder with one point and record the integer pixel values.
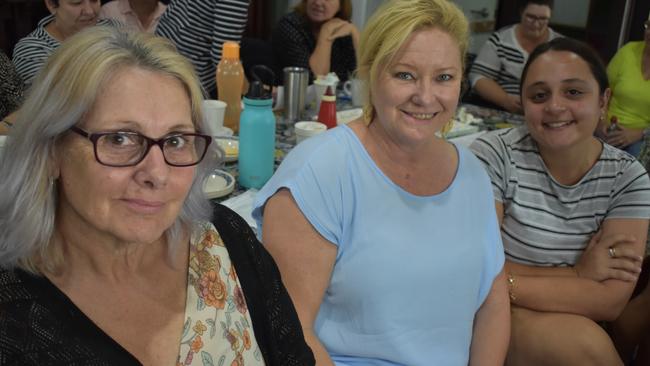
(505, 140)
(635, 47)
(328, 149)
(38, 38)
(291, 20)
(504, 34)
(617, 158)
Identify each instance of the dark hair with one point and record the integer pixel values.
(345, 9)
(524, 3)
(583, 50)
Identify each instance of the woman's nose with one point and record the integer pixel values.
(424, 93)
(555, 104)
(87, 7)
(153, 170)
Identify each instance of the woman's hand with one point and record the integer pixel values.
(598, 264)
(622, 137)
(319, 61)
(513, 104)
(337, 28)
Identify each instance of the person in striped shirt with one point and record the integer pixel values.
(198, 28)
(496, 71)
(573, 210)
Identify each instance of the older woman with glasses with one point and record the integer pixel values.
(497, 69)
(629, 77)
(109, 252)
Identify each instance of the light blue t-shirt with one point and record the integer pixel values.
(411, 271)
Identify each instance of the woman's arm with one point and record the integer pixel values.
(562, 290)
(491, 333)
(305, 260)
(491, 91)
(596, 300)
(622, 137)
(319, 61)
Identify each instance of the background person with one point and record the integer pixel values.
(497, 68)
(629, 78)
(573, 211)
(110, 253)
(11, 92)
(66, 18)
(184, 23)
(370, 222)
(318, 36)
(138, 15)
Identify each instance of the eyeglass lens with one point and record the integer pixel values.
(126, 148)
(533, 18)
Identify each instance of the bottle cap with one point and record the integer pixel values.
(329, 95)
(230, 50)
(256, 91)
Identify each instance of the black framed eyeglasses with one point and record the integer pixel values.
(123, 148)
(535, 19)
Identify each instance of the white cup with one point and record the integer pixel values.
(213, 112)
(320, 87)
(278, 102)
(2, 143)
(307, 129)
(352, 88)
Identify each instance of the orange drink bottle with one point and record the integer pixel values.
(230, 81)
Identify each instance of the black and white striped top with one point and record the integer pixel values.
(546, 223)
(32, 51)
(198, 28)
(502, 59)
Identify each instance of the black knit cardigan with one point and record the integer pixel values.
(39, 325)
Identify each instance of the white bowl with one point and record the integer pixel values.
(306, 129)
(230, 146)
(218, 184)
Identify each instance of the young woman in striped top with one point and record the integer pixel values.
(573, 210)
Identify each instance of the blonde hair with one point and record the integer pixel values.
(63, 92)
(390, 27)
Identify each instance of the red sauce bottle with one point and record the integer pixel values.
(327, 111)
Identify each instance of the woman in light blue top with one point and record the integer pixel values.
(385, 234)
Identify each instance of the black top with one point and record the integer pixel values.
(39, 325)
(11, 87)
(294, 42)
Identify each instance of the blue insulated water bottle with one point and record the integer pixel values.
(256, 138)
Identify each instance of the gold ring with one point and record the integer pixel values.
(612, 252)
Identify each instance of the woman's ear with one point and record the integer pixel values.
(604, 99)
(51, 6)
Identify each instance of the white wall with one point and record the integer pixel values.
(572, 13)
(478, 39)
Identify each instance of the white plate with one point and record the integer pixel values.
(344, 117)
(230, 145)
(218, 184)
(223, 131)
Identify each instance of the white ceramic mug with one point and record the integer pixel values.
(213, 112)
(306, 129)
(352, 88)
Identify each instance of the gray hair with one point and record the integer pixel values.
(64, 91)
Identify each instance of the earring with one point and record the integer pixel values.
(447, 127)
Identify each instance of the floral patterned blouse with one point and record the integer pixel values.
(218, 328)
